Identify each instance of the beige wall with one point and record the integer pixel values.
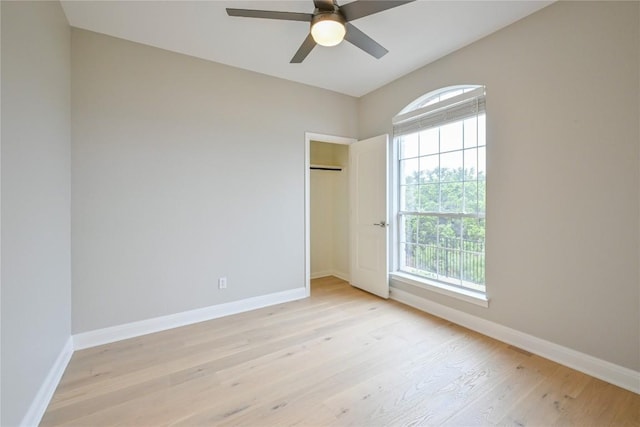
(36, 283)
(185, 171)
(329, 204)
(563, 172)
(326, 153)
(321, 200)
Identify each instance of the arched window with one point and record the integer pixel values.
(440, 138)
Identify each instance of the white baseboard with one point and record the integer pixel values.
(606, 371)
(341, 275)
(319, 274)
(335, 273)
(130, 330)
(45, 393)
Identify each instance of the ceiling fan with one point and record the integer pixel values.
(330, 24)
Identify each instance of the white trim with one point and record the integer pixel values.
(319, 274)
(606, 371)
(327, 273)
(307, 213)
(477, 298)
(332, 139)
(341, 275)
(45, 393)
(157, 324)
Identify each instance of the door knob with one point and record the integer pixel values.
(382, 224)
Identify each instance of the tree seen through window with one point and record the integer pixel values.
(442, 189)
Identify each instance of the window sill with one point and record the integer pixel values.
(469, 296)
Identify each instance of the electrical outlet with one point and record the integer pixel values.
(222, 283)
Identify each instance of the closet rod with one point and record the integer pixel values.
(326, 168)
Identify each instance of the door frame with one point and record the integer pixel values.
(308, 137)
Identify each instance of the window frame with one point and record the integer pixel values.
(415, 112)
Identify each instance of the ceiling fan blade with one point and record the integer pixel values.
(360, 8)
(269, 14)
(305, 48)
(364, 42)
(323, 4)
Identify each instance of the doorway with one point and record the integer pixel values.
(326, 207)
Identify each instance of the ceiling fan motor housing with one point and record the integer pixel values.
(328, 28)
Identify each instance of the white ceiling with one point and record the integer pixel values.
(415, 34)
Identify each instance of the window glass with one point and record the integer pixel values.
(442, 188)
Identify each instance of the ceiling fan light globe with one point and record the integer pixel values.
(328, 30)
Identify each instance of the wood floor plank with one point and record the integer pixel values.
(175, 340)
(594, 406)
(544, 404)
(230, 350)
(341, 357)
(416, 393)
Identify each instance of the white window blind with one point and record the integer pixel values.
(460, 107)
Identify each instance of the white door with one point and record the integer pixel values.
(368, 161)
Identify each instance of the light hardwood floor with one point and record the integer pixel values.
(341, 357)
